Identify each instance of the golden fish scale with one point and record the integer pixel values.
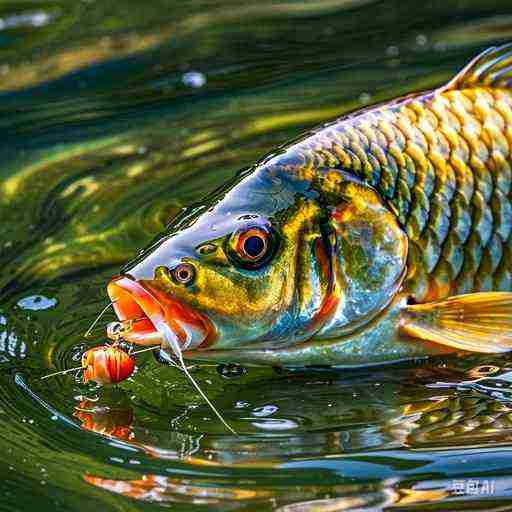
(442, 160)
(465, 418)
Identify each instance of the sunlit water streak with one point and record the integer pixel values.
(113, 121)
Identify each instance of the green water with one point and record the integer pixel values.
(113, 116)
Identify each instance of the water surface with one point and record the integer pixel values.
(113, 116)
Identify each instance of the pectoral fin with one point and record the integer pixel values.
(477, 322)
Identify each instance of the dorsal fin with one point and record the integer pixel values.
(492, 68)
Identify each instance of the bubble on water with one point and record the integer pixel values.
(37, 302)
(29, 19)
(77, 351)
(193, 79)
(231, 371)
(266, 410)
(421, 39)
(392, 51)
(365, 98)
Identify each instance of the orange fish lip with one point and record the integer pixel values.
(149, 309)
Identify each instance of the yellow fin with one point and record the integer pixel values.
(478, 322)
(491, 68)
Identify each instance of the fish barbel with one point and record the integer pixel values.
(382, 236)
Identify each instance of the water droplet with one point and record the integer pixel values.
(37, 302)
(266, 410)
(392, 51)
(231, 371)
(421, 39)
(29, 19)
(193, 79)
(365, 98)
(77, 351)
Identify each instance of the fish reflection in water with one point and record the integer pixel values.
(331, 420)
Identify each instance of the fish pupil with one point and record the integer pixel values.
(254, 246)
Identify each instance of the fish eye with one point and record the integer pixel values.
(251, 247)
(184, 273)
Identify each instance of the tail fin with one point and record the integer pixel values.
(492, 68)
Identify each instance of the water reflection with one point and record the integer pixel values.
(105, 420)
(331, 419)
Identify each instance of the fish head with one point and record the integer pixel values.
(254, 271)
(251, 270)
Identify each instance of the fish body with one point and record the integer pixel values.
(382, 236)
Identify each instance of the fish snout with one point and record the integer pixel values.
(150, 316)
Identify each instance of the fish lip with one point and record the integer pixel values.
(135, 300)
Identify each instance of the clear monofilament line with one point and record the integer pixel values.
(206, 399)
(145, 350)
(173, 342)
(89, 331)
(62, 372)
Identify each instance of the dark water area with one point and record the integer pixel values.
(115, 115)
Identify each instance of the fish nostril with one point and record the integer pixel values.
(183, 273)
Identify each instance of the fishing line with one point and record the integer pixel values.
(171, 339)
(196, 385)
(61, 372)
(89, 331)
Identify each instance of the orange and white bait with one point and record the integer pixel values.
(107, 364)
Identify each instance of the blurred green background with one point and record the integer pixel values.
(113, 116)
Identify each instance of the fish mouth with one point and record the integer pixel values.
(149, 316)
